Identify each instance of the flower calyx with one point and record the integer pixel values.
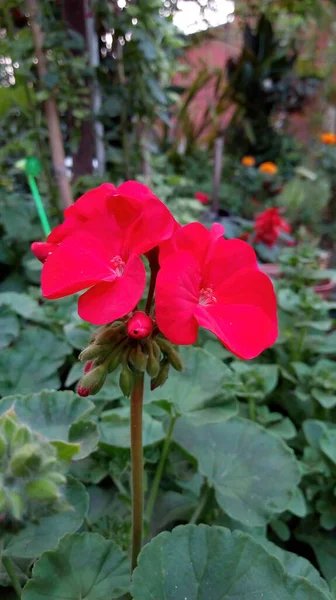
(134, 344)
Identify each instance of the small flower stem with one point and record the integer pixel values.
(151, 291)
(205, 495)
(137, 467)
(9, 566)
(160, 468)
(252, 409)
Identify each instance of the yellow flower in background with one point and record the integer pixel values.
(328, 138)
(268, 167)
(248, 161)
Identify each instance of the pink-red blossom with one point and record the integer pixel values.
(98, 249)
(207, 281)
(268, 226)
(202, 197)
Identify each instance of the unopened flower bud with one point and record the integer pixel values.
(109, 333)
(138, 359)
(162, 376)
(153, 364)
(156, 350)
(92, 382)
(25, 460)
(139, 326)
(171, 353)
(126, 381)
(94, 351)
(88, 366)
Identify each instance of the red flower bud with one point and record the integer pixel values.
(139, 326)
(87, 367)
(83, 391)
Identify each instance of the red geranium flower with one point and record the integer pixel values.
(101, 250)
(202, 197)
(269, 225)
(215, 283)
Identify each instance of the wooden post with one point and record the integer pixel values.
(218, 161)
(50, 107)
(94, 56)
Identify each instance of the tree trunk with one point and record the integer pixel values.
(50, 107)
(74, 17)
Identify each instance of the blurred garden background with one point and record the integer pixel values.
(227, 110)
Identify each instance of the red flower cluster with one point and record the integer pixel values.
(268, 226)
(202, 197)
(203, 279)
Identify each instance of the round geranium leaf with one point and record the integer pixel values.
(82, 567)
(202, 379)
(37, 537)
(58, 416)
(213, 563)
(242, 461)
(114, 429)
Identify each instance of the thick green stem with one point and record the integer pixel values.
(252, 409)
(159, 470)
(9, 566)
(205, 495)
(137, 467)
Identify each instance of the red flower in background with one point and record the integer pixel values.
(202, 197)
(207, 281)
(268, 226)
(99, 246)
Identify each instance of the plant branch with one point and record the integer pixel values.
(159, 470)
(205, 495)
(9, 566)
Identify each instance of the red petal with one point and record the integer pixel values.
(243, 329)
(244, 317)
(91, 203)
(227, 257)
(86, 207)
(154, 225)
(80, 261)
(177, 294)
(249, 287)
(42, 250)
(193, 238)
(135, 191)
(107, 301)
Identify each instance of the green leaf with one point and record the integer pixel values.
(326, 400)
(37, 537)
(78, 334)
(83, 567)
(201, 380)
(32, 362)
(298, 505)
(114, 429)
(242, 461)
(9, 327)
(84, 433)
(295, 565)
(22, 304)
(323, 544)
(60, 418)
(203, 563)
(75, 373)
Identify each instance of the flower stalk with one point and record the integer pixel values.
(137, 467)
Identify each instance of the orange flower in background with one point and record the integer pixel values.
(248, 161)
(328, 138)
(268, 167)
